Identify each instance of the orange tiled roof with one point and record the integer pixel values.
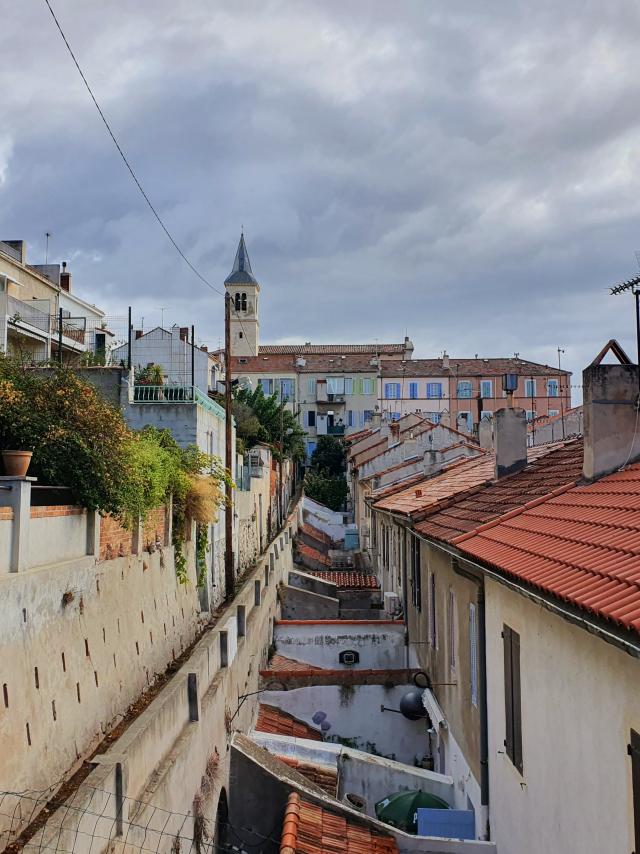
(310, 829)
(275, 720)
(458, 478)
(321, 349)
(370, 453)
(539, 478)
(347, 579)
(313, 554)
(582, 546)
(281, 663)
(321, 775)
(317, 534)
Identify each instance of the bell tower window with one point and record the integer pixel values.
(244, 302)
(237, 302)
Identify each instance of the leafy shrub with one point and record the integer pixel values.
(330, 490)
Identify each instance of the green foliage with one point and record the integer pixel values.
(329, 456)
(266, 419)
(151, 375)
(330, 490)
(202, 540)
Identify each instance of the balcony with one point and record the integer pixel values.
(22, 313)
(335, 430)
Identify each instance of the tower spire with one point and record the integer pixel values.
(241, 274)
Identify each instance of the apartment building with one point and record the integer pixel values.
(461, 392)
(333, 388)
(39, 314)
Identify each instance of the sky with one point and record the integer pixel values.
(465, 173)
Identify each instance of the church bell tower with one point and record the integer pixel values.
(243, 289)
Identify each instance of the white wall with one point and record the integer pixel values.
(355, 714)
(580, 697)
(380, 643)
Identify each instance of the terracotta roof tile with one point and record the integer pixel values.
(309, 828)
(282, 664)
(317, 534)
(305, 551)
(468, 368)
(339, 349)
(582, 545)
(275, 720)
(322, 775)
(540, 477)
(347, 579)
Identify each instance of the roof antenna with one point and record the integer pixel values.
(48, 234)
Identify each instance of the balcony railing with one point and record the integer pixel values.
(335, 430)
(22, 312)
(176, 394)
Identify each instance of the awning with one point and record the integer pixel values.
(433, 709)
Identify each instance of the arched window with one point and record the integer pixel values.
(244, 302)
(237, 302)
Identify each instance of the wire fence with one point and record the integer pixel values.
(93, 820)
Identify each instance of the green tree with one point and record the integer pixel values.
(276, 423)
(330, 490)
(329, 455)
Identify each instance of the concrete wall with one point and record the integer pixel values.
(552, 430)
(172, 764)
(356, 718)
(297, 604)
(380, 644)
(98, 634)
(57, 534)
(325, 520)
(580, 698)
(312, 583)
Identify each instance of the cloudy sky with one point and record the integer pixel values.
(467, 173)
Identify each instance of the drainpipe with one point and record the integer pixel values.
(484, 729)
(405, 601)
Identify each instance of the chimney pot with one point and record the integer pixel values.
(610, 417)
(184, 333)
(445, 360)
(65, 278)
(510, 440)
(139, 333)
(418, 493)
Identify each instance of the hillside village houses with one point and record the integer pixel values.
(477, 642)
(338, 389)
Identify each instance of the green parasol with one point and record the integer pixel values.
(399, 810)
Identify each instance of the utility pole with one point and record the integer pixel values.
(280, 514)
(60, 337)
(193, 363)
(47, 235)
(229, 576)
(560, 351)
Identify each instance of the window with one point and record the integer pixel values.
(368, 414)
(530, 388)
(394, 416)
(486, 414)
(464, 421)
(244, 302)
(240, 335)
(552, 388)
(486, 388)
(367, 386)
(348, 385)
(311, 446)
(311, 387)
(512, 700)
(266, 386)
(413, 391)
(335, 385)
(553, 412)
(434, 390)
(392, 391)
(311, 418)
(634, 752)
(530, 414)
(464, 388)
(416, 583)
(433, 416)
(350, 418)
(433, 630)
(473, 652)
(237, 302)
(451, 625)
(286, 389)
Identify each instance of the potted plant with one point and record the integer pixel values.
(16, 463)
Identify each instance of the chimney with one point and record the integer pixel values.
(408, 348)
(610, 395)
(445, 361)
(376, 419)
(510, 440)
(65, 278)
(485, 434)
(184, 333)
(395, 430)
(139, 333)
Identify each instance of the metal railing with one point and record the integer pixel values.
(335, 430)
(22, 312)
(176, 394)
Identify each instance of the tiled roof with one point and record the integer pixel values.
(275, 720)
(582, 546)
(305, 551)
(310, 829)
(540, 477)
(324, 349)
(398, 486)
(347, 579)
(355, 437)
(467, 368)
(541, 420)
(285, 363)
(460, 477)
(396, 467)
(370, 453)
(322, 775)
(282, 664)
(317, 534)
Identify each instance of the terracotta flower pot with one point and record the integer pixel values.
(16, 463)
